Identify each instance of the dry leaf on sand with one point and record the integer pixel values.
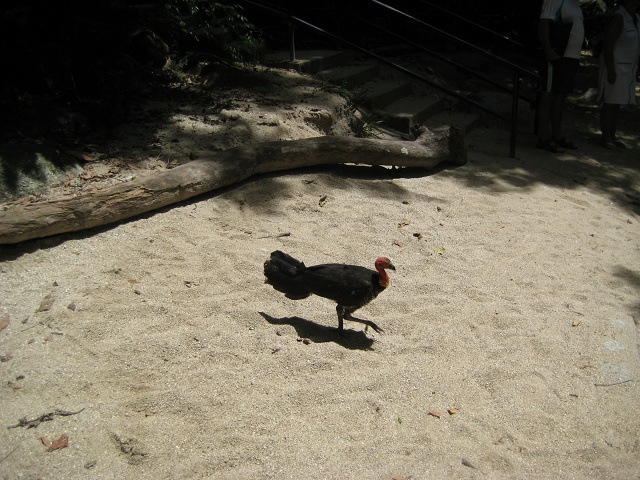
(4, 322)
(62, 442)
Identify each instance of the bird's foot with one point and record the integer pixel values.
(369, 323)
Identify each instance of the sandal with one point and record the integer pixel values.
(549, 146)
(564, 143)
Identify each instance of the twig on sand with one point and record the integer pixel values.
(467, 463)
(279, 235)
(45, 417)
(614, 383)
(7, 455)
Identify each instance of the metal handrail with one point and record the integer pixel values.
(518, 71)
(475, 25)
(506, 63)
(400, 68)
(448, 61)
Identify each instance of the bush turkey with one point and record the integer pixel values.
(350, 286)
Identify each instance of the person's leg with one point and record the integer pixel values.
(544, 116)
(614, 127)
(608, 115)
(557, 132)
(565, 74)
(557, 111)
(546, 104)
(545, 99)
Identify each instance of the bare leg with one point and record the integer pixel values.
(369, 323)
(544, 116)
(344, 314)
(557, 110)
(608, 117)
(614, 123)
(550, 110)
(340, 311)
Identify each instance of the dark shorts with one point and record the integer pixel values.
(559, 76)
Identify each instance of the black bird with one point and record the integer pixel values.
(350, 286)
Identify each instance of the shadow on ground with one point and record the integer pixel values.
(350, 339)
(26, 166)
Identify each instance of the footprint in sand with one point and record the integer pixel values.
(623, 346)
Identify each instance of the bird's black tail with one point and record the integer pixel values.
(282, 272)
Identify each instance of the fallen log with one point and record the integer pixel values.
(216, 170)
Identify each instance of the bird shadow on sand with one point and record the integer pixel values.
(350, 339)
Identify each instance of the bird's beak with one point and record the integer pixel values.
(391, 267)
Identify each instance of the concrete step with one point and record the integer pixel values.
(391, 97)
(310, 61)
(443, 120)
(349, 76)
(402, 114)
(378, 93)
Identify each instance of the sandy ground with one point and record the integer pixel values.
(511, 326)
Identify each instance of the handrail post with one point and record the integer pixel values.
(514, 114)
(292, 44)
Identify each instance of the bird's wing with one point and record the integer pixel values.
(348, 285)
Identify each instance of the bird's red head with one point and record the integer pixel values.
(381, 264)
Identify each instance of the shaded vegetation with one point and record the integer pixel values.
(91, 57)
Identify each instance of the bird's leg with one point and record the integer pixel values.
(340, 311)
(347, 315)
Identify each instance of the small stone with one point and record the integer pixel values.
(46, 303)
